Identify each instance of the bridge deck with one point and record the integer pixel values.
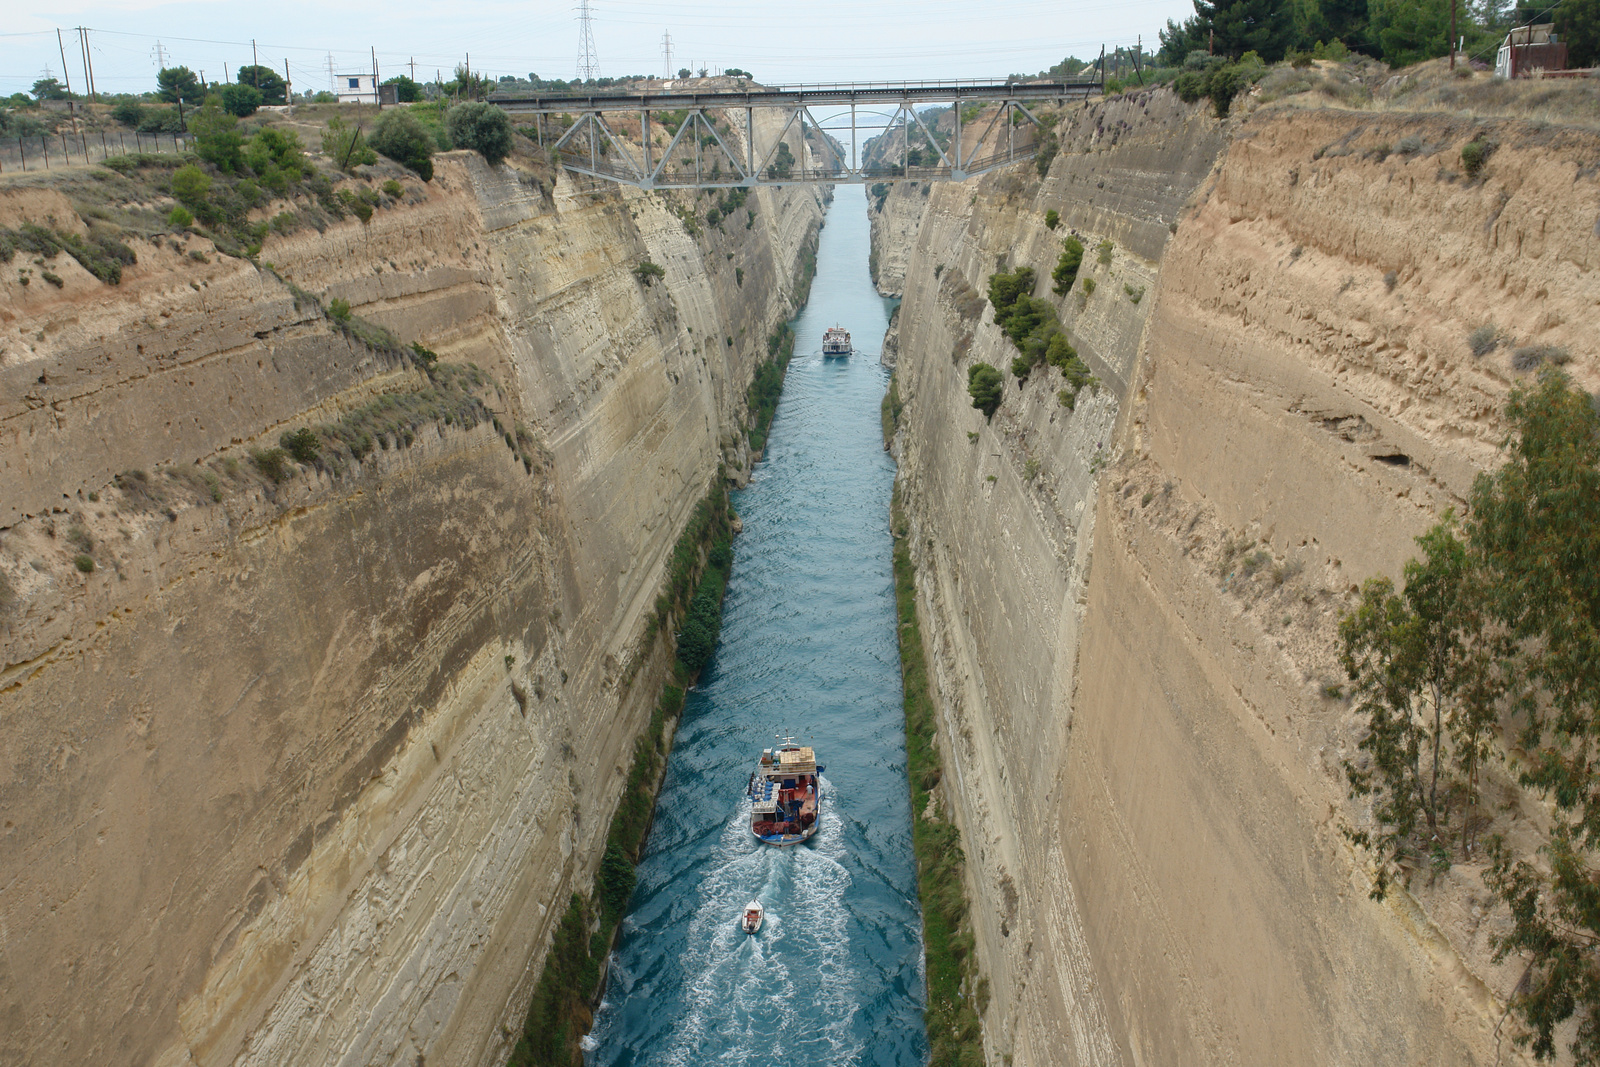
(798, 96)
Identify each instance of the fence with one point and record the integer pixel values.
(65, 148)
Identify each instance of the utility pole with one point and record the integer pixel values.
(88, 61)
(1137, 53)
(288, 88)
(1452, 34)
(64, 73)
(413, 68)
(331, 87)
(376, 99)
(255, 64)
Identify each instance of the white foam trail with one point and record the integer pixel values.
(738, 980)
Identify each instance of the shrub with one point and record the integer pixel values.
(1528, 357)
(402, 137)
(1052, 218)
(1113, 86)
(1474, 154)
(648, 272)
(191, 185)
(1103, 253)
(346, 145)
(1005, 289)
(1066, 271)
(1049, 145)
(1483, 340)
(278, 158)
(393, 189)
(1134, 295)
(986, 386)
(179, 217)
(1390, 279)
(339, 310)
(128, 112)
(1409, 145)
(84, 563)
(272, 462)
(240, 100)
(481, 127)
(216, 139)
(1088, 287)
(303, 444)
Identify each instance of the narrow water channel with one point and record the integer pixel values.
(808, 645)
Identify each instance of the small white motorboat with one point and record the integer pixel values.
(753, 916)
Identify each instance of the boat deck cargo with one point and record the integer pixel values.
(785, 793)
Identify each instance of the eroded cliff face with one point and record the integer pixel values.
(306, 772)
(1131, 607)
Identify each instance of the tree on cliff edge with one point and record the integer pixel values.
(481, 127)
(1502, 626)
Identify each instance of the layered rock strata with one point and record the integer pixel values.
(1130, 607)
(306, 772)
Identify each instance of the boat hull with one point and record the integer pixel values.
(781, 840)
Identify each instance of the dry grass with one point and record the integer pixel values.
(1366, 84)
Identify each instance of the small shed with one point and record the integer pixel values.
(1530, 48)
(356, 88)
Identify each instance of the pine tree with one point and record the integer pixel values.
(1265, 27)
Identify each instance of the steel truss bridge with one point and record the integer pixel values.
(704, 153)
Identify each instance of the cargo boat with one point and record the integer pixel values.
(785, 794)
(836, 342)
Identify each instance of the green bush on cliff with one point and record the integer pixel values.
(986, 386)
(403, 138)
(1066, 271)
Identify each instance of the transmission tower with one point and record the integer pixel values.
(666, 54)
(159, 54)
(588, 65)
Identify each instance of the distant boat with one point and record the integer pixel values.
(785, 794)
(836, 342)
(753, 916)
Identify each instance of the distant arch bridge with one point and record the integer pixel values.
(611, 133)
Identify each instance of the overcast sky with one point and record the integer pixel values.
(779, 42)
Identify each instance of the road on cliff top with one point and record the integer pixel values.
(808, 644)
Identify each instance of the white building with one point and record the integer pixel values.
(356, 88)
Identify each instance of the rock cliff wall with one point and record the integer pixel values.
(306, 771)
(1130, 607)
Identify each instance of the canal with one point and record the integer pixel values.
(808, 647)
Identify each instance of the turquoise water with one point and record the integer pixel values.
(808, 644)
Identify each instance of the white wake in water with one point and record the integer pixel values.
(787, 985)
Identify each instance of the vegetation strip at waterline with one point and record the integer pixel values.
(957, 997)
(561, 1012)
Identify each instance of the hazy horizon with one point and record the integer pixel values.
(826, 40)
